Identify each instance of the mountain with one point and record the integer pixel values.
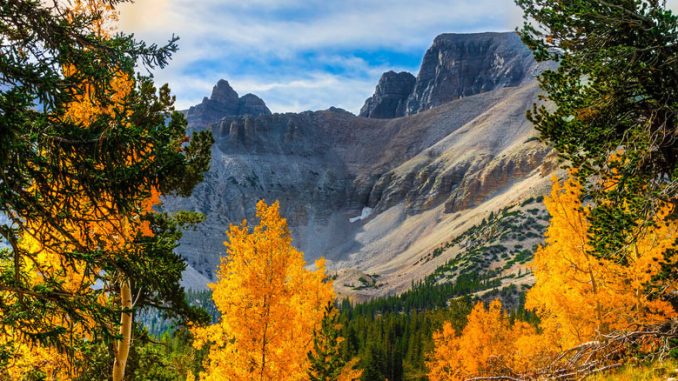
(377, 194)
(390, 97)
(455, 66)
(224, 102)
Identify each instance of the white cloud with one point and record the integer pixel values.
(370, 23)
(259, 45)
(317, 91)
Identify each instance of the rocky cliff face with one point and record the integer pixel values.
(374, 195)
(224, 102)
(456, 66)
(390, 97)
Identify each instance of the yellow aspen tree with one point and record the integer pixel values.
(577, 296)
(489, 345)
(270, 303)
(446, 362)
(486, 346)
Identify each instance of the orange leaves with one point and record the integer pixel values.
(579, 296)
(106, 11)
(85, 108)
(350, 372)
(446, 362)
(488, 345)
(269, 303)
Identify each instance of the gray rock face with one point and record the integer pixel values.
(390, 97)
(224, 102)
(250, 104)
(223, 94)
(460, 65)
(456, 66)
(326, 167)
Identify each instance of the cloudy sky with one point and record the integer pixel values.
(302, 54)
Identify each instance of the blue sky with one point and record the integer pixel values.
(303, 54)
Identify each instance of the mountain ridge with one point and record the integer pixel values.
(455, 66)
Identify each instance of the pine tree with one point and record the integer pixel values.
(80, 175)
(327, 356)
(614, 93)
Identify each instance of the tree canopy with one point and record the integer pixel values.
(270, 305)
(612, 107)
(87, 144)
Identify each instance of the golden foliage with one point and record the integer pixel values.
(489, 344)
(578, 296)
(269, 303)
(28, 358)
(351, 372)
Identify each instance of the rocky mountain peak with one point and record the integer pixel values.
(390, 96)
(250, 104)
(460, 65)
(225, 102)
(223, 93)
(455, 66)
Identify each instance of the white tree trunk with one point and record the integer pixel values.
(122, 347)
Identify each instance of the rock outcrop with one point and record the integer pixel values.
(250, 104)
(460, 65)
(390, 97)
(224, 102)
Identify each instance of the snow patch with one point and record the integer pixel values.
(363, 215)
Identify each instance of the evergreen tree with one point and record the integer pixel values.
(85, 144)
(327, 356)
(615, 98)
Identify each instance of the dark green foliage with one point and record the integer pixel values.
(157, 273)
(158, 322)
(615, 90)
(392, 335)
(327, 356)
(50, 166)
(493, 239)
(426, 295)
(167, 357)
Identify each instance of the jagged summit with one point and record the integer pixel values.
(223, 93)
(224, 102)
(455, 66)
(390, 96)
